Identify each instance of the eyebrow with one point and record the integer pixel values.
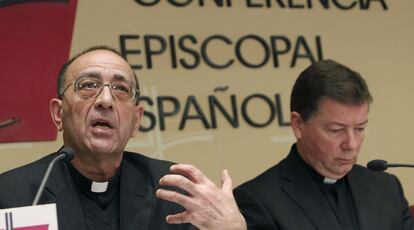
(364, 122)
(120, 77)
(340, 124)
(97, 75)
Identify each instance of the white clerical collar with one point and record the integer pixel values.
(327, 180)
(99, 187)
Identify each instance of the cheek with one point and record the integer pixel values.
(361, 138)
(127, 119)
(333, 147)
(75, 116)
(359, 142)
(325, 147)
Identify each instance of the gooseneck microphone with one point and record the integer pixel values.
(381, 165)
(65, 154)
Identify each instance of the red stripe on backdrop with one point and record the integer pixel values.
(35, 42)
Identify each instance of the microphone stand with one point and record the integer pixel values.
(64, 153)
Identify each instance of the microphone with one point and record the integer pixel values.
(65, 154)
(381, 165)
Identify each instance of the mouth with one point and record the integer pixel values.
(347, 161)
(102, 124)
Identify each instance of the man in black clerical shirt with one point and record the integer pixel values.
(318, 186)
(104, 186)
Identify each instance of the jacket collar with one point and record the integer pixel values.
(137, 198)
(61, 189)
(366, 205)
(301, 188)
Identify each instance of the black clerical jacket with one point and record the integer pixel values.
(285, 197)
(139, 207)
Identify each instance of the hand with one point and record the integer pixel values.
(207, 206)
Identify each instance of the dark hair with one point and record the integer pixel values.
(327, 79)
(62, 72)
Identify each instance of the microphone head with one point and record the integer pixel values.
(377, 165)
(69, 154)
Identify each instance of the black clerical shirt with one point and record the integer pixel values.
(337, 194)
(101, 209)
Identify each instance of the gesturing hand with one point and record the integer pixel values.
(208, 207)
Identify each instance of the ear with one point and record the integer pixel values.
(55, 108)
(297, 124)
(139, 112)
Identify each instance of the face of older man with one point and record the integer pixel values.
(331, 139)
(101, 124)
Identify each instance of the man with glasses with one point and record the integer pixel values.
(105, 187)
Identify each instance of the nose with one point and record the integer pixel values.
(104, 99)
(351, 141)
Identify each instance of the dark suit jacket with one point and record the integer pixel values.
(286, 197)
(139, 207)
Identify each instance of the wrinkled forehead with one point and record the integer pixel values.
(102, 63)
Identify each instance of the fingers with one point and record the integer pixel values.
(173, 196)
(206, 205)
(191, 172)
(188, 177)
(226, 182)
(178, 218)
(178, 181)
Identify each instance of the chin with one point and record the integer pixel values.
(102, 147)
(344, 172)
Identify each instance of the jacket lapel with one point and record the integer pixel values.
(137, 198)
(305, 193)
(366, 205)
(60, 189)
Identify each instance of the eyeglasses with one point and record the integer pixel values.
(88, 87)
